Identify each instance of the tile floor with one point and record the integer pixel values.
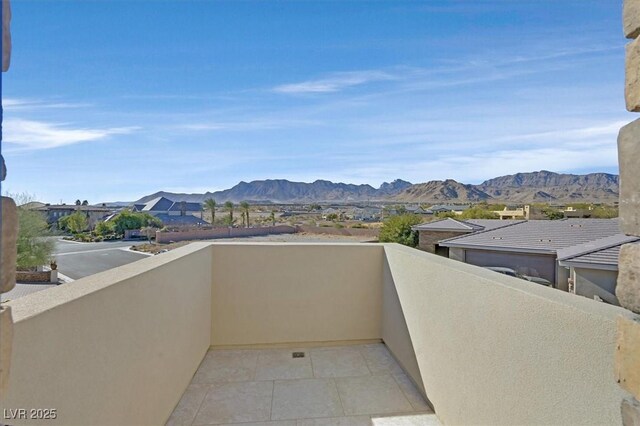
(338, 385)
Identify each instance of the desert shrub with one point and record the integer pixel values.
(397, 229)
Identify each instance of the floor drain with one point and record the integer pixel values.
(298, 354)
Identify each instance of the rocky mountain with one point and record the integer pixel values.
(542, 186)
(437, 191)
(284, 191)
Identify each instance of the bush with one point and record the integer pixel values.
(104, 228)
(74, 223)
(34, 249)
(397, 229)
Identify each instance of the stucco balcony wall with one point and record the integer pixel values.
(121, 347)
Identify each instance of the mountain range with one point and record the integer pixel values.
(542, 186)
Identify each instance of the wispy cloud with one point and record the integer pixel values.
(335, 82)
(11, 104)
(33, 135)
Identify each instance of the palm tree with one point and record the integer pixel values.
(210, 204)
(229, 207)
(245, 214)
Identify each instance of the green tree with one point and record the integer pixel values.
(34, 249)
(245, 212)
(210, 204)
(77, 222)
(78, 202)
(604, 212)
(553, 214)
(272, 218)
(85, 203)
(126, 220)
(478, 213)
(229, 206)
(104, 228)
(397, 229)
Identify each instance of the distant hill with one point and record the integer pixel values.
(437, 191)
(542, 186)
(284, 191)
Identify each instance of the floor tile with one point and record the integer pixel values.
(372, 395)
(379, 359)
(406, 420)
(236, 403)
(186, 410)
(227, 366)
(305, 398)
(275, 423)
(340, 361)
(279, 364)
(411, 392)
(337, 421)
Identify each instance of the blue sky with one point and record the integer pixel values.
(113, 100)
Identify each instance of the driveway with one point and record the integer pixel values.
(77, 260)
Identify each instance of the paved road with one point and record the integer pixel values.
(77, 260)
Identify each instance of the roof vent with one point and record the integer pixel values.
(298, 354)
(542, 240)
(497, 238)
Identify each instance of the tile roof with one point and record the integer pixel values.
(599, 254)
(180, 220)
(160, 204)
(471, 225)
(538, 236)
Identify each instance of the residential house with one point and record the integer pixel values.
(514, 213)
(530, 247)
(54, 212)
(176, 213)
(593, 266)
(431, 233)
(443, 208)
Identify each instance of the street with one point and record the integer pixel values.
(77, 260)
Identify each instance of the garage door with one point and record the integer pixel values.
(528, 264)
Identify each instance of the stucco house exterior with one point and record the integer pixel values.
(593, 267)
(530, 247)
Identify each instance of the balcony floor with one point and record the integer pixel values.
(332, 385)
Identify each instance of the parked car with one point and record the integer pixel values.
(513, 273)
(536, 280)
(502, 270)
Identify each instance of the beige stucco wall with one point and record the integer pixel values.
(281, 293)
(116, 348)
(595, 282)
(492, 349)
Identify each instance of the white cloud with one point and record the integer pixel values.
(31, 134)
(11, 104)
(334, 82)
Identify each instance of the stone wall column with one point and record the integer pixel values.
(627, 361)
(8, 228)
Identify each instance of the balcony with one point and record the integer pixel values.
(205, 335)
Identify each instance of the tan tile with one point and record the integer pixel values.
(275, 423)
(339, 361)
(227, 366)
(406, 420)
(411, 392)
(337, 421)
(305, 398)
(236, 403)
(279, 364)
(379, 359)
(372, 395)
(186, 410)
